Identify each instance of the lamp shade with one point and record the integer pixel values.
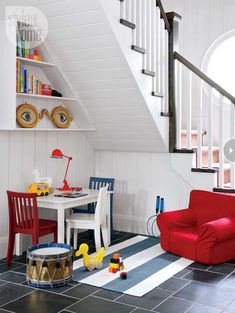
(57, 154)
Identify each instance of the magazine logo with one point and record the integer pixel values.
(30, 23)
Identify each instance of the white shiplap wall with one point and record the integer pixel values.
(22, 151)
(139, 177)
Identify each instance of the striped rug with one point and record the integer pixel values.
(146, 264)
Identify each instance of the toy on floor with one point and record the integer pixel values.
(91, 261)
(123, 275)
(116, 264)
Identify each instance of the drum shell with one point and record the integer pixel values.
(49, 271)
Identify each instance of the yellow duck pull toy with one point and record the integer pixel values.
(91, 262)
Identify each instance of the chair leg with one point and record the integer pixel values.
(97, 238)
(68, 235)
(11, 244)
(105, 236)
(55, 235)
(75, 238)
(35, 240)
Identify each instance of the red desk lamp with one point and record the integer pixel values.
(57, 154)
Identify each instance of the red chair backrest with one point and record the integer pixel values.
(208, 206)
(23, 211)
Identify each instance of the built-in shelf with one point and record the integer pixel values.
(35, 63)
(56, 129)
(46, 97)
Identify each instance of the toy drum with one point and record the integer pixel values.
(49, 265)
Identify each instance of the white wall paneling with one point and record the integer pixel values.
(22, 151)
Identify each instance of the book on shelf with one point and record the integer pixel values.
(23, 49)
(28, 83)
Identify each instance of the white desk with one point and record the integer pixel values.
(61, 205)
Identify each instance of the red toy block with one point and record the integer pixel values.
(123, 275)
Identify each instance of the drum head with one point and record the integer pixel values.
(49, 251)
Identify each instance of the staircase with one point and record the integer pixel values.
(155, 37)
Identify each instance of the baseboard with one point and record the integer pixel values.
(130, 224)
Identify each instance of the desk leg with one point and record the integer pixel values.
(108, 223)
(60, 225)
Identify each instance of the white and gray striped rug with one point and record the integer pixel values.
(146, 264)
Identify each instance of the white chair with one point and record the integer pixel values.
(95, 221)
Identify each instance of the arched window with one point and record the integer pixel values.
(219, 62)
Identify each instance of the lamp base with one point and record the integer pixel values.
(69, 189)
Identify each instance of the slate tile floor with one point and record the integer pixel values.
(197, 289)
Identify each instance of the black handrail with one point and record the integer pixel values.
(203, 76)
(163, 15)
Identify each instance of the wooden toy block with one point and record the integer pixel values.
(123, 275)
(113, 265)
(116, 256)
(113, 270)
(115, 261)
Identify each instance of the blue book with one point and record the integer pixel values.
(25, 81)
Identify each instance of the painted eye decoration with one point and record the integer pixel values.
(61, 117)
(27, 115)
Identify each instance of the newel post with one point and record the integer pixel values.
(173, 19)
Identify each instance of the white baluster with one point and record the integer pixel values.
(122, 10)
(153, 42)
(221, 141)
(133, 20)
(166, 95)
(210, 128)
(148, 35)
(144, 31)
(138, 22)
(128, 10)
(199, 128)
(178, 89)
(189, 114)
(162, 87)
(232, 135)
(158, 52)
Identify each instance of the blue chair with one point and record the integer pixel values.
(96, 183)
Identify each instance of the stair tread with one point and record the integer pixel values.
(193, 132)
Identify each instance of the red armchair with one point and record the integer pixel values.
(204, 232)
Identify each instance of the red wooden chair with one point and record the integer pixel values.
(23, 219)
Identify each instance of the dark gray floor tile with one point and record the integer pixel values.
(81, 291)
(173, 284)
(107, 294)
(223, 268)
(229, 282)
(21, 269)
(3, 311)
(13, 277)
(141, 311)
(174, 305)
(199, 266)
(204, 309)
(183, 272)
(205, 277)
(2, 282)
(230, 308)
(148, 301)
(204, 294)
(92, 304)
(58, 290)
(10, 292)
(4, 269)
(39, 302)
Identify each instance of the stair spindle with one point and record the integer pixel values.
(178, 90)
(148, 35)
(199, 128)
(133, 20)
(128, 10)
(221, 141)
(232, 135)
(210, 128)
(158, 51)
(144, 31)
(138, 22)
(189, 114)
(122, 10)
